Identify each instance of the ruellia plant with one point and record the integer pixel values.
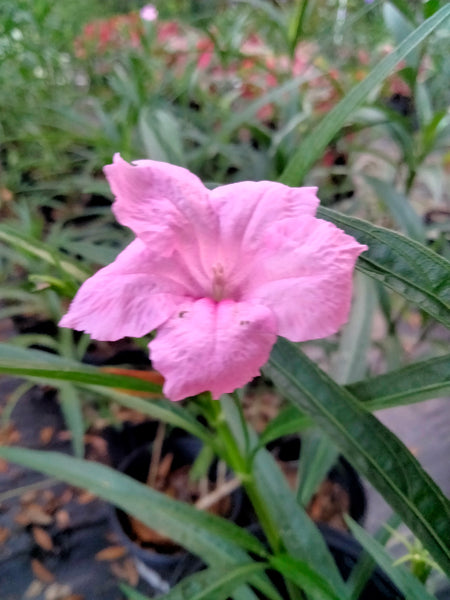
(224, 282)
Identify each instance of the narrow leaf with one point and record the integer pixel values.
(40, 250)
(33, 366)
(315, 143)
(377, 453)
(413, 383)
(411, 587)
(299, 573)
(77, 374)
(406, 219)
(319, 453)
(73, 416)
(300, 535)
(216, 540)
(363, 569)
(214, 583)
(407, 267)
(405, 8)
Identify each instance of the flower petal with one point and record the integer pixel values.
(160, 202)
(209, 346)
(305, 277)
(129, 297)
(247, 208)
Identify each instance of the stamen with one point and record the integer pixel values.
(218, 283)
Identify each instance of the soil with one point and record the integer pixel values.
(176, 484)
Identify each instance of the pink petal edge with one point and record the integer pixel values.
(158, 201)
(306, 278)
(123, 299)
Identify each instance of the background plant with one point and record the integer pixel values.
(240, 91)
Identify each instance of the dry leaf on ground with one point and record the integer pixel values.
(42, 538)
(111, 553)
(41, 572)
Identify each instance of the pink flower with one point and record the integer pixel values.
(219, 274)
(149, 12)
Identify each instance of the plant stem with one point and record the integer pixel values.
(240, 464)
(237, 402)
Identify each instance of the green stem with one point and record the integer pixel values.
(263, 515)
(240, 464)
(237, 402)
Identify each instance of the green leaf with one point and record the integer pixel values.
(430, 7)
(214, 583)
(73, 416)
(33, 247)
(363, 569)
(400, 27)
(407, 583)
(405, 217)
(350, 362)
(424, 105)
(272, 13)
(373, 450)
(131, 593)
(313, 144)
(407, 267)
(404, 6)
(81, 374)
(43, 365)
(216, 540)
(300, 573)
(33, 366)
(296, 25)
(17, 354)
(300, 535)
(289, 420)
(413, 383)
(160, 134)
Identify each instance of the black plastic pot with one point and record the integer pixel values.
(163, 570)
(288, 449)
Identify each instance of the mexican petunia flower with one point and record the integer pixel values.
(219, 274)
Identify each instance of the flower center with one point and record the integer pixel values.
(218, 283)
